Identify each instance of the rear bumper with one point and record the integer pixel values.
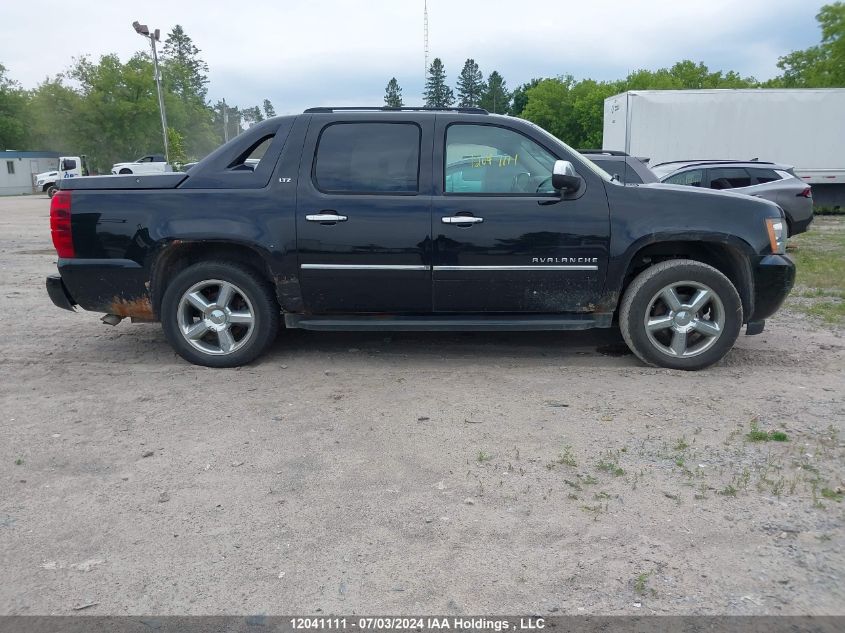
(59, 294)
(800, 226)
(774, 276)
(111, 286)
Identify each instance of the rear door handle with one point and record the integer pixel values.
(461, 219)
(326, 217)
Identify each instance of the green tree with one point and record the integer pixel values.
(176, 143)
(495, 97)
(823, 65)
(13, 102)
(393, 94)
(549, 105)
(520, 96)
(437, 94)
(53, 107)
(252, 115)
(185, 76)
(118, 115)
(470, 85)
(186, 73)
(269, 110)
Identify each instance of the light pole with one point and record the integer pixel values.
(144, 31)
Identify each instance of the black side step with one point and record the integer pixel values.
(447, 323)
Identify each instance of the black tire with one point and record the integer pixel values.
(51, 191)
(125, 171)
(643, 299)
(253, 291)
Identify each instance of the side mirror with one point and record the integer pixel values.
(564, 177)
(68, 164)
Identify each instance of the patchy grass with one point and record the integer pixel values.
(832, 495)
(641, 584)
(819, 256)
(19, 462)
(483, 457)
(567, 458)
(610, 466)
(758, 435)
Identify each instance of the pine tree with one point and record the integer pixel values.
(496, 97)
(393, 94)
(185, 73)
(437, 94)
(269, 110)
(470, 85)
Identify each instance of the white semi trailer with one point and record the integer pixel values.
(804, 128)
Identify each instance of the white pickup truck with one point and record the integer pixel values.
(149, 164)
(69, 167)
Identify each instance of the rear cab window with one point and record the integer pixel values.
(246, 163)
(368, 158)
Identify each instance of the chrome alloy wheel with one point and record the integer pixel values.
(216, 317)
(684, 319)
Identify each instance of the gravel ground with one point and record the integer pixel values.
(412, 473)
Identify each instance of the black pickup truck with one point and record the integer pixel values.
(415, 219)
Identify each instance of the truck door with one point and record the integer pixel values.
(504, 241)
(363, 216)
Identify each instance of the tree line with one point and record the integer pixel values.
(108, 110)
(573, 110)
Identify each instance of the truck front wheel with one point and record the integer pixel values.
(125, 170)
(51, 190)
(680, 314)
(219, 314)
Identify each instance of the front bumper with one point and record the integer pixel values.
(774, 276)
(59, 293)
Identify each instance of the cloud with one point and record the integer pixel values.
(300, 53)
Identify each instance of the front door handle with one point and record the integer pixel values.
(326, 217)
(461, 219)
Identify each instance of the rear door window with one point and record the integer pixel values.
(368, 158)
(762, 176)
(691, 178)
(729, 178)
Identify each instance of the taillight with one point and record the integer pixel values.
(60, 224)
(807, 193)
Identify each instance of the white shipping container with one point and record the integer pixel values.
(804, 128)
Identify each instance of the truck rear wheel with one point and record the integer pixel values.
(680, 314)
(219, 314)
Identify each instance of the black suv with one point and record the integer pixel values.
(415, 219)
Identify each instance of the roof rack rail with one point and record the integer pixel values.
(609, 152)
(710, 161)
(325, 109)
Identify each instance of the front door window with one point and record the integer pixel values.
(491, 160)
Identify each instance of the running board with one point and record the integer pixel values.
(445, 323)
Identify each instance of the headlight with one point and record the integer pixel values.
(777, 234)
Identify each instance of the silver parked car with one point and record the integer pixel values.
(771, 181)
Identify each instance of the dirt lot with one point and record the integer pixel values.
(415, 473)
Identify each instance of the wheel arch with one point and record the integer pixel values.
(726, 253)
(176, 255)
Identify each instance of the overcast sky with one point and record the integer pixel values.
(302, 53)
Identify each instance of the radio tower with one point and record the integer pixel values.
(425, 38)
